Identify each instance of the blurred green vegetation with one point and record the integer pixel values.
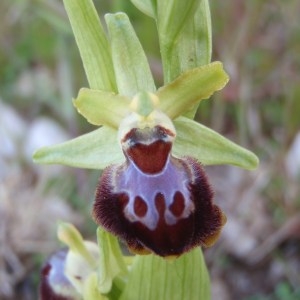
(258, 42)
(283, 291)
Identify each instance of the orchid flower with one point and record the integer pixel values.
(153, 192)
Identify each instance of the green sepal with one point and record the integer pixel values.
(94, 150)
(130, 63)
(111, 260)
(153, 277)
(102, 108)
(92, 43)
(209, 147)
(99, 148)
(189, 88)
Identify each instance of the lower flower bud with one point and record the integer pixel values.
(54, 284)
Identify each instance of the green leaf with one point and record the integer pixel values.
(153, 277)
(94, 150)
(102, 108)
(145, 6)
(92, 43)
(172, 16)
(192, 86)
(209, 147)
(193, 47)
(111, 260)
(202, 36)
(194, 44)
(130, 63)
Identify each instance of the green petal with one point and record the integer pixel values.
(153, 277)
(111, 260)
(130, 63)
(92, 43)
(102, 108)
(94, 150)
(209, 147)
(192, 86)
(145, 6)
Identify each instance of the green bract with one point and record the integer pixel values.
(117, 71)
(180, 279)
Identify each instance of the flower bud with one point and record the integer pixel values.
(54, 284)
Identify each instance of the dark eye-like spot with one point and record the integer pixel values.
(177, 207)
(180, 220)
(140, 207)
(124, 199)
(160, 204)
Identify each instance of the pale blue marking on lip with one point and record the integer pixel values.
(174, 177)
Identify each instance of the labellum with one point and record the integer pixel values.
(54, 283)
(154, 201)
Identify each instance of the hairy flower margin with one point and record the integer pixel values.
(121, 85)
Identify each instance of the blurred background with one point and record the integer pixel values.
(258, 255)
